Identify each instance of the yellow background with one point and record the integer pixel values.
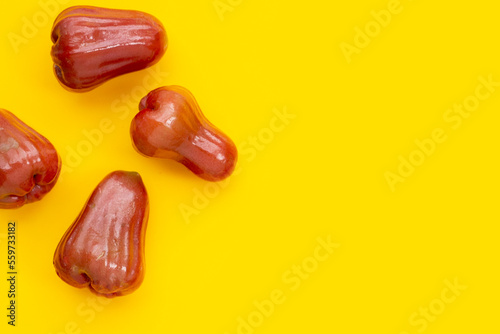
(322, 175)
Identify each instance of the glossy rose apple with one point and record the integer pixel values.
(93, 45)
(29, 163)
(104, 248)
(170, 125)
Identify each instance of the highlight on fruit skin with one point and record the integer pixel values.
(104, 247)
(29, 163)
(171, 125)
(92, 45)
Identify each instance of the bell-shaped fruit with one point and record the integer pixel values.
(170, 125)
(104, 248)
(29, 163)
(93, 45)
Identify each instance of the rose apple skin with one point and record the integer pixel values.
(93, 45)
(104, 247)
(29, 163)
(170, 125)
